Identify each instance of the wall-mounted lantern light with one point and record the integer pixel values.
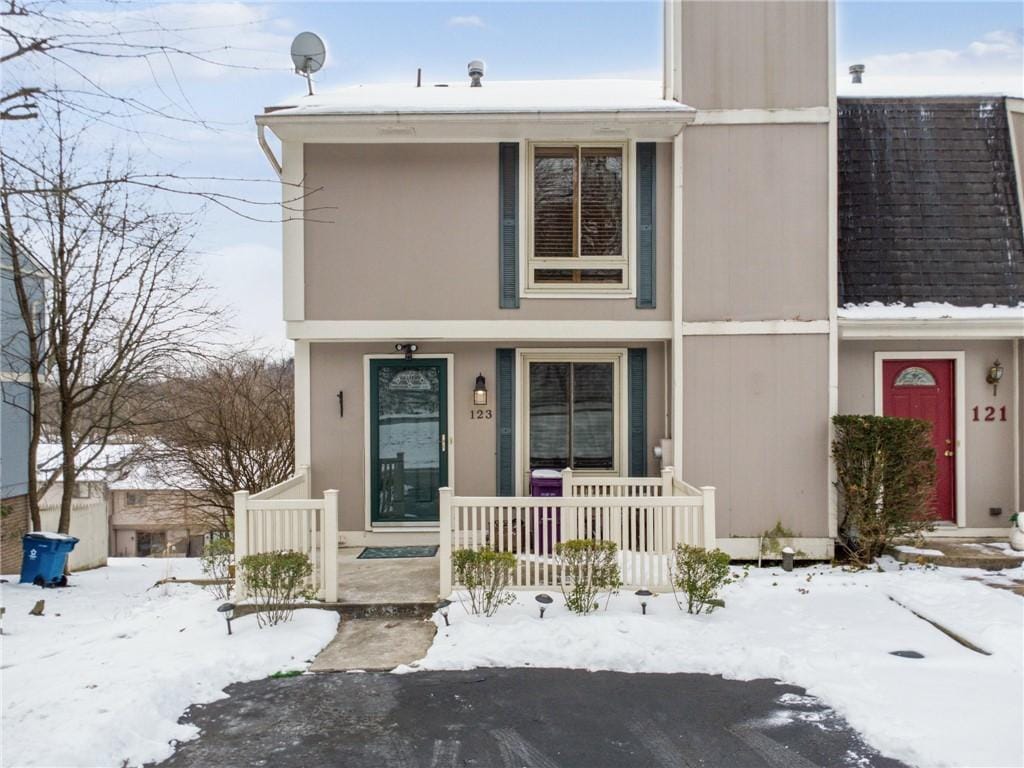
(406, 349)
(994, 376)
(480, 391)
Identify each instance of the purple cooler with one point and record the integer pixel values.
(545, 482)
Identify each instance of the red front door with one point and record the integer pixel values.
(923, 389)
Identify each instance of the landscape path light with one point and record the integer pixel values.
(545, 600)
(228, 609)
(643, 595)
(442, 606)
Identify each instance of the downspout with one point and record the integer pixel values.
(261, 136)
(677, 303)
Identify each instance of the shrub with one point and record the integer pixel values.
(215, 563)
(589, 567)
(485, 574)
(700, 574)
(275, 580)
(885, 470)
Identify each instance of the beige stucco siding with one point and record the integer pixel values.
(755, 426)
(989, 446)
(755, 54)
(755, 222)
(338, 442)
(410, 232)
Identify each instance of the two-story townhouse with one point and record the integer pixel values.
(608, 276)
(618, 277)
(16, 400)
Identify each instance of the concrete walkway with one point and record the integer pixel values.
(403, 580)
(375, 645)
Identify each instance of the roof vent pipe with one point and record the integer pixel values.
(476, 73)
(856, 73)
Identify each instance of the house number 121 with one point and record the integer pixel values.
(988, 413)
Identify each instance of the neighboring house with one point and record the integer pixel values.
(931, 287)
(619, 276)
(16, 401)
(143, 514)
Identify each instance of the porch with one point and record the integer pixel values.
(646, 517)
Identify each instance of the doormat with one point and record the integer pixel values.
(383, 553)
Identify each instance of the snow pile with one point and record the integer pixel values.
(930, 310)
(824, 629)
(103, 676)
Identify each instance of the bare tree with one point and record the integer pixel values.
(124, 304)
(227, 424)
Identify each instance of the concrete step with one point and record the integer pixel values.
(375, 645)
(987, 554)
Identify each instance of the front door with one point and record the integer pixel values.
(408, 439)
(923, 389)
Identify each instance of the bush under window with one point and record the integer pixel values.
(485, 575)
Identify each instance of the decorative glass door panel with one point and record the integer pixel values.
(408, 439)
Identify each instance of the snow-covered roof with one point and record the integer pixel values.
(512, 97)
(122, 466)
(930, 310)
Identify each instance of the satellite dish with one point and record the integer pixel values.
(308, 55)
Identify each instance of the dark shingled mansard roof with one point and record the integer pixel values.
(928, 205)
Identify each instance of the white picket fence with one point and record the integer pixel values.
(283, 517)
(645, 517)
(89, 525)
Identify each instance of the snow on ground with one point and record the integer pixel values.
(103, 676)
(824, 629)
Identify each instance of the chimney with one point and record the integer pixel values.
(856, 73)
(476, 73)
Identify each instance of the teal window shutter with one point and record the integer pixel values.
(508, 236)
(505, 402)
(638, 413)
(646, 161)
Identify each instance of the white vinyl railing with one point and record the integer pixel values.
(645, 517)
(284, 518)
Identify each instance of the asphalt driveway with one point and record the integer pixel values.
(520, 717)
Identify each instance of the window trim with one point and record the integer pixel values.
(528, 287)
(616, 356)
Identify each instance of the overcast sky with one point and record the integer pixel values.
(908, 47)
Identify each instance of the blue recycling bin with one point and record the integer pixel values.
(43, 557)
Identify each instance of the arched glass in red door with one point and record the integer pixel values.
(923, 389)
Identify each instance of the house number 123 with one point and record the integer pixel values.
(487, 413)
(988, 413)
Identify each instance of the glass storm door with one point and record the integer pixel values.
(408, 439)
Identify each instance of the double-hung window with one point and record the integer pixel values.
(578, 227)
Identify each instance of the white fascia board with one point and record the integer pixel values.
(487, 127)
(791, 116)
(753, 327)
(946, 328)
(480, 330)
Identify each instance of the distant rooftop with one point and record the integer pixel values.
(494, 97)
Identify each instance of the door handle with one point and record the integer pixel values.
(444, 442)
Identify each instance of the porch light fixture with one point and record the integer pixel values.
(994, 376)
(442, 606)
(480, 391)
(406, 349)
(643, 595)
(228, 609)
(545, 600)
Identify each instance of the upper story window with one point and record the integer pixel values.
(134, 499)
(578, 226)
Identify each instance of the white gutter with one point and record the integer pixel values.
(261, 136)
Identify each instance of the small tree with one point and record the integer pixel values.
(589, 567)
(885, 470)
(276, 580)
(485, 575)
(700, 574)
